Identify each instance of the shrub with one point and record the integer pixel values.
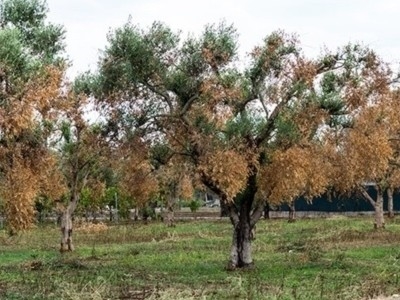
(194, 205)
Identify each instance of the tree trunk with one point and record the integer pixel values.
(110, 214)
(241, 245)
(170, 215)
(136, 215)
(377, 204)
(94, 215)
(224, 208)
(267, 209)
(379, 219)
(244, 220)
(390, 203)
(292, 212)
(66, 224)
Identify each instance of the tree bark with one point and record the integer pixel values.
(379, 218)
(170, 214)
(390, 203)
(224, 208)
(66, 224)
(267, 209)
(244, 219)
(292, 212)
(241, 256)
(378, 206)
(136, 214)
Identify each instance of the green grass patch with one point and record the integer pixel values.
(340, 258)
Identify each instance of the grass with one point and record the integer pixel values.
(341, 258)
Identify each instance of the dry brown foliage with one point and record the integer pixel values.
(368, 152)
(137, 180)
(228, 169)
(294, 172)
(29, 167)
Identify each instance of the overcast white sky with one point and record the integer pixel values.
(317, 22)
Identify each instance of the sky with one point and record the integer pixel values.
(318, 23)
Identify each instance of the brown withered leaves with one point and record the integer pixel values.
(369, 151)
(228, 169)
(29, 166)
(137, 180)
(299, 170)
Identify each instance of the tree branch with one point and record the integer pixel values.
(269, 127)
(188, 104)
(257, 213)
(165, 96)
(263, 105)
(366, 196)
(233, 213)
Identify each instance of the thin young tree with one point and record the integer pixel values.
(82, 153)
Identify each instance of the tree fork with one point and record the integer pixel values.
(378, 206)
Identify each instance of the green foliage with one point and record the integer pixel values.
(276, 48)
(24, 14)
(47, 41)
(192, 62)
(194, 205)
(43, 206)
(330, 83)
(182, 85)
(27, 43)
(134, 56)
(116, 200)
(244, 125)
(147, 212)
(85, 83)
(12, 55)
(66, 131)
(287, 132)
(330, 98)
(42, 41)
(159, 154)
(221, 42)
(203, 124)
(86, 200)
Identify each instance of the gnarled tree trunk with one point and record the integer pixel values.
(244, 218)
(66, 224)
(390, 203)
(240, 256)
